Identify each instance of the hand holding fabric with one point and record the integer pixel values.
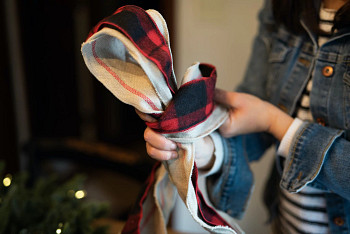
(129, 52)
(160, 148)
(249, 114)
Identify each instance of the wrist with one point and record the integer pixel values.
(279, 122)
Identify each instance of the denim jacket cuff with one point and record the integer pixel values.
(307, 154)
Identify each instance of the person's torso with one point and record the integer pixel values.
(294, 59)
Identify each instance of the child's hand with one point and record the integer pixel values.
(160, 148)
(248, 114)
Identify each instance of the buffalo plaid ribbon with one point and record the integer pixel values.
(136, 24)
(191, 104)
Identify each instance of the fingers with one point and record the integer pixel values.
(228, 128)
(160, 155)
(158, 141)
(145, 117)
(224, 97)
(158, 147)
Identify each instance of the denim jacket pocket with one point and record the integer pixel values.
(278, 53)
(277, 58)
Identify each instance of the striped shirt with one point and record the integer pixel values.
(305, 211)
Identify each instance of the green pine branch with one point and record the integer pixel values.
(47, 207)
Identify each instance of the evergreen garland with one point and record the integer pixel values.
(47, 207)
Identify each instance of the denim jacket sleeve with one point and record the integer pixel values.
(229, 189)
(319, 156)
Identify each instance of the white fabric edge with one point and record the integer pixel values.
(214, 121)
(218, 154)
(163, 28)
(149, 68)
(191, 203)
(288, 137)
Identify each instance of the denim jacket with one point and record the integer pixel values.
(279, 68)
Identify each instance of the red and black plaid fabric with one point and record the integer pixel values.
(133, 224)
(181, 114)
(205, 212)
(192, 103)
(140, 28)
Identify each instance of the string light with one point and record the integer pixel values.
(79, 194)
(59, 230)
(7, 180)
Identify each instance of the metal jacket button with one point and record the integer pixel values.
(339, 221)
(321, 121)
(327, 71)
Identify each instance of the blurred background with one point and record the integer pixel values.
(56, 118)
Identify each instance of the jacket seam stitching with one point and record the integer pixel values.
(323, 155)
(223, 186)
(294, 148)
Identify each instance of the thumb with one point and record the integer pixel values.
(145, 117)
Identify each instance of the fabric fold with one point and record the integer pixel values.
(129, 53)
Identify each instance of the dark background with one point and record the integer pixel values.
(52, 109)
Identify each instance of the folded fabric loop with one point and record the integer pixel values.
(129, 53)
(192, 104)
(136, 24)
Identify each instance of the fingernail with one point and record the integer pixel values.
(173, 146)
(174, 155)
